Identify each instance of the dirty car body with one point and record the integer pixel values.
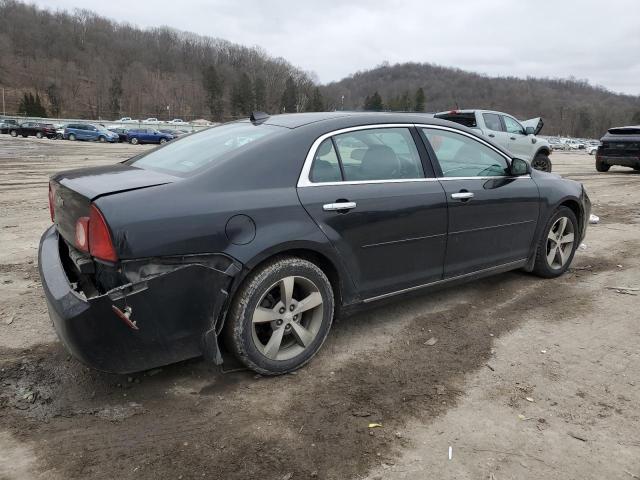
(619, 146)
(144, 257)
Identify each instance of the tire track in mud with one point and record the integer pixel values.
(241, 427)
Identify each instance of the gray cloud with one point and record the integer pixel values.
(591, 39)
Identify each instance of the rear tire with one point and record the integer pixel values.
(13, 133)
(542, 162)
(39, 135)
(557, 245)
(601, 166)
(263, 330)
(72, 137)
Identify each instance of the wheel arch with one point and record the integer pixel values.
(544, 150)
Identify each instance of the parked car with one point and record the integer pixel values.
(150, 120)
(169, 131)
(517, 137)
(36, 129)
(592, 149)
(87, 131)
(121, 132)
(178, 121)
(7, 124)
(148, 135)
(127, 120)
(619, 146)
(260, 230)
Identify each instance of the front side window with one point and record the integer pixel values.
(462, 156)
(492, 121)
(379, 154)
(512, 126)
(185, 156)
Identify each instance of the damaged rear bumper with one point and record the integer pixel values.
(175, 312)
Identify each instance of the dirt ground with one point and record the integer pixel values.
(528, 378)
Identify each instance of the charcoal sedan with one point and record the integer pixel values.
(258, 232)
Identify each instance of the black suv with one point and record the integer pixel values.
(39, 130)
(619, 146)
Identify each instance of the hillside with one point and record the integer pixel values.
(569, 107)
(84, 65)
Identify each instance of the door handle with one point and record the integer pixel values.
(338, 206)
(491, 135)
(462, 196)
(513, 138)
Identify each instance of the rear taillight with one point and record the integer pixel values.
(93, 236)
(52, 192)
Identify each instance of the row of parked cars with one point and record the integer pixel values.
(91, 132)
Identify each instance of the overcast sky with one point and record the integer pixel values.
(589, 39)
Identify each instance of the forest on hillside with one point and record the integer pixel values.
(82, 65)
(568, 107)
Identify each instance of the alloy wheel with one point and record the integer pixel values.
(560, 243)
(287, 318)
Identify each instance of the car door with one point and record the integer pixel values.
(492, 215)
(495, 128)
(518, 142)
(367, 191)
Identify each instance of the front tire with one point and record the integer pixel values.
(163, 141)
(601, 166)
(542, 162)
(281, 316)
(557, 245)
(133, 141)
(72, 137)
(102, 139)
(13, 133)
(39, 135)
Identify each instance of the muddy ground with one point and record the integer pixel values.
(528, 378)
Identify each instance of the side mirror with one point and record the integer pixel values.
(530, 131)
(519, 167)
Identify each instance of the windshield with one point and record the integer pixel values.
(187, 155)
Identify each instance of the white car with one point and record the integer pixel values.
(178, 121)
(592, 149)
(518, 137)
(150, 120)
(127, 120)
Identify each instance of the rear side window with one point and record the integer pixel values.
(462, 156)
(186, 156)
(379, 154)
(492, 121)
(326, 167)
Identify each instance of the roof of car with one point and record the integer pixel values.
(295, 120)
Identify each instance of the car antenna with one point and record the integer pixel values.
(258, 117)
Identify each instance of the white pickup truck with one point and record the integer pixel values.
(517, 137)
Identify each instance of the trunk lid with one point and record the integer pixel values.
(74, 190)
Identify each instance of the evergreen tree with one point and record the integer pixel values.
(420, 100)
(115, 93)
(260, 90)
(289, 100)
(53, 93)
(317, 102)
(38, 108)
(213, 87)
(374, 103)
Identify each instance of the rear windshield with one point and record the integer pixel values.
(467, 119)
(187, 155)
(625, 131)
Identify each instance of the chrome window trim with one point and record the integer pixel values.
(303, 179)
